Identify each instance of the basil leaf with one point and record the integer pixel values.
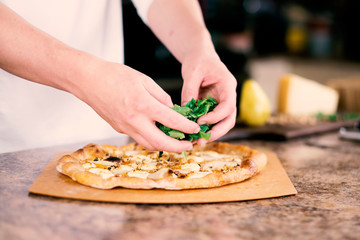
(193, 110)
(176, 134)
(205, 135)
(204, 128)
(182, 110)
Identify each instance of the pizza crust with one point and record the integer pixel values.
(71, 165)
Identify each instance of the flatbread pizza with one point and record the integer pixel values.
(132, 166)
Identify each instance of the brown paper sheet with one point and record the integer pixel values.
(271, 182)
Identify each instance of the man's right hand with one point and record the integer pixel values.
(132, 103)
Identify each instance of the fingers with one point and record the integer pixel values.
(190, 88)
(220, 129)
(175, 120)
(157, 92)
(221, 111)
(158, 112)
(165, 115)
(223, 127)
(154, 139)
(140, 125)
(168, 117)
(154, 106)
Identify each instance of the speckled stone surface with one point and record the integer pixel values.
(324, 169)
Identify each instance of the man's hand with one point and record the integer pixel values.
(179, 25)
(131, 103)
(127, 99)
(204, 74)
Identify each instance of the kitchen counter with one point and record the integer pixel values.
(324, 169)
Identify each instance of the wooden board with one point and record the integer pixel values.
(283, 132)
(271, 182)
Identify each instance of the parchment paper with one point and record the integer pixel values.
(271, 182)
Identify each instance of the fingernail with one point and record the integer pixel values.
(201, 122)
(189, 147)
(197, 129)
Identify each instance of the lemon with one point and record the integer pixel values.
(255, 106)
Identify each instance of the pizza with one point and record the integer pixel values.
(132, 166)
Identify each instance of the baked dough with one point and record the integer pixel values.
(132, 166)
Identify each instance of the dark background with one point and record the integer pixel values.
(331, 30)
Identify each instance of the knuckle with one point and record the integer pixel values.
(119, 128)
(150, 148)
(129, 118)
(166, 98)
(230, 106)
(233, 108)
(233, 123)
(157, 111)
(147, 146)
(156, 145)
(173, 123)
(140, 106)
(234, 81)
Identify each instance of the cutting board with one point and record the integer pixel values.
(283, 132)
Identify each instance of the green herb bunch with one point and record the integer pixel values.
(193, 110)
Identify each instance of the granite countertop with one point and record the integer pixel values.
(324, 169)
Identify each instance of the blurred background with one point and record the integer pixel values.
(262, 40)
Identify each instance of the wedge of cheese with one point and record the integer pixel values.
(301, 96)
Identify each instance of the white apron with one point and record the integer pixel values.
(33, 115)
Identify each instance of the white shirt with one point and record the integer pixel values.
(33, 115)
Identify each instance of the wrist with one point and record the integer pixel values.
(76, 71)
(199, 44)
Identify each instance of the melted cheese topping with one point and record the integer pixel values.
(122, 169)
(163, 172)
(193, 167)
(104, 173)
(89, 165)
(148, 165)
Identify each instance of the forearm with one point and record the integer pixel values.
(180, 26)
(128, 100)
(29, 53)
